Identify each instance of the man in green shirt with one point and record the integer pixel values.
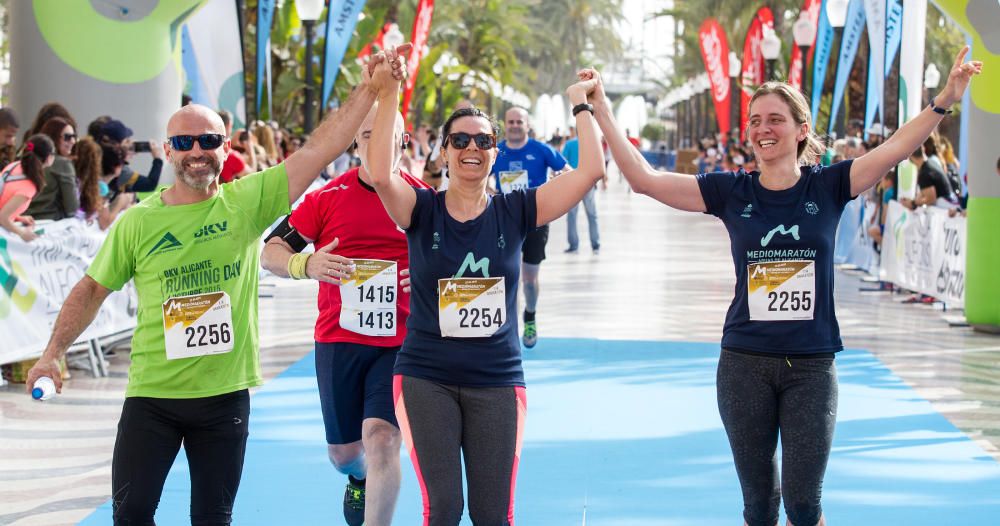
(193, 251)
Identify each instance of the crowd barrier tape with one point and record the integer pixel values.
(36, 277)
(924, 251)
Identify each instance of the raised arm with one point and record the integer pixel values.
(558, 195)
(77, 312)
(334, 134)
(397, 195)
(680, 191)
(872, 166)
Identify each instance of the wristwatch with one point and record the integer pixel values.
(583, 107)
(939, 110)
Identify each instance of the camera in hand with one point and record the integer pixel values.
(140, 146)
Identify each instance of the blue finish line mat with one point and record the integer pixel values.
(628, 433)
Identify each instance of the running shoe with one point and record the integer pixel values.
(570, 250)
(530, 334)
(354, 504)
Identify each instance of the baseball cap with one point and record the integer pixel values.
(116, 130)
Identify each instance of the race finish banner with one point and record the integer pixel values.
(925, 251)
(36, 279)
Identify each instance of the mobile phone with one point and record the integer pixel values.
(140, 146)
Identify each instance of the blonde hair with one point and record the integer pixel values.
(809, 148)
(947, 151)
(265, 138)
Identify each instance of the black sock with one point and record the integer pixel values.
(356, 482)
(529, 316)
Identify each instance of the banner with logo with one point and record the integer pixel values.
(341, 18)
(893, 32)
(853, 245)
(875, 14)
(421, 28)
(715, 53)
(854, 27)
(265, 19)
(214, 36)
(925, 251)
(810, 7)
(823, 47)
(753, 61)
(911, 59)
(36, 279)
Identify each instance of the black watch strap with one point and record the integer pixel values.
(940, 111)
(583, 107)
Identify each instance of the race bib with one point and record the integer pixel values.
(781, 290)
(198, 325)
(513, 180)
(471, 307)
(368, 298)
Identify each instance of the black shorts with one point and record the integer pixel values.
(533, 249)
(355, 383)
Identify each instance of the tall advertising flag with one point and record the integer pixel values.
(341, 17)
(823, 47)
(911, 59)
(715, 53)
(217, 55)
(893, 32)
(753, 61)
(421, 28)
(810, 7)
(876, 16)
(265, 19)
(854, 27)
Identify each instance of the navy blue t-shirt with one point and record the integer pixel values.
(535, 157)
(778, 233)
(441, 247)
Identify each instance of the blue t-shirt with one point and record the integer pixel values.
(571, 152)
(796, 225)
(535, 157)
(441, 247)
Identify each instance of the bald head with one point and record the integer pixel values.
(516, 126)
(364, 135)
(195, 119)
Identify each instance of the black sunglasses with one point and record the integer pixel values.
(69, 136)
(207, 141)
(460, 140)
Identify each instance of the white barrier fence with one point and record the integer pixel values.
(35, 279)
(924, 251)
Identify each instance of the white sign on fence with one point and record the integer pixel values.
(924, 251)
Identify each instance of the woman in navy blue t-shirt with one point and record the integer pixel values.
(776, 375)
(458, 385)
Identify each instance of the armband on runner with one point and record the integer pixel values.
(289, 235)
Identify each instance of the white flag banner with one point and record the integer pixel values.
(924, 251)
(214, 33)
(911, 59)
(36, 277)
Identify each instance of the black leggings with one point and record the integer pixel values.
(441, 424)
(760, 396)
(214, 432)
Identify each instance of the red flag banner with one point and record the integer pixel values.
(715, 53)
(753, 61)
(795, 65)
(421, 28)
(367, 50)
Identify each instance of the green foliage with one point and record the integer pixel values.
(653, 132)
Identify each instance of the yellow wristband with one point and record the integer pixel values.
(297, 266)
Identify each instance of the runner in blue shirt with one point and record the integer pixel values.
(776, 375)
(524, 163)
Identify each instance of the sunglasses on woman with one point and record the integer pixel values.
(460, 140)
(207, 141)
(69, 136)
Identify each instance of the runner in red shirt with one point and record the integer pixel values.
(361, 256)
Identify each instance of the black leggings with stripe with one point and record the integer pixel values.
(441, 424)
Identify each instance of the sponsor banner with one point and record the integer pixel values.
(911, 59)
(876, 17)
(854, 243)
(341, 18)
(853, 29)
(821, 59)
(214, 36)
(893, 32)
(715, 53)
(811, 7)
(925, 251)
(753, 61)
(421, 28)
(37, 277)
(265, 19)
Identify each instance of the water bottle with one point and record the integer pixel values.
(43, 389)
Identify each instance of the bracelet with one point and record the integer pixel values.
(939, 110)
(583, 107)
(297, 266)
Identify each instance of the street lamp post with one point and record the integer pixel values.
(735, 68)
(932, 79)
(770, 48)
(836, 13)
(309, 11)
(805, 34)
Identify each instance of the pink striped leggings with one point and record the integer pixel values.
(441, 424)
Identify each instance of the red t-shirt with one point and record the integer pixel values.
(234, 164)
(348, 209)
